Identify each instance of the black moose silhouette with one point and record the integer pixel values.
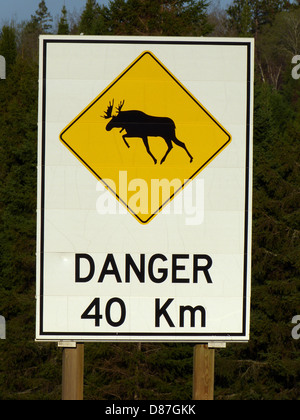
(139, 124)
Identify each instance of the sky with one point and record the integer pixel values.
(19, 10)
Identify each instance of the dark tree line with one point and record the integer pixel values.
(268, 367)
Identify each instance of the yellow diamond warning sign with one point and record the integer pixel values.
(145, 137)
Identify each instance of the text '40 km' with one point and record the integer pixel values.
(197, 314)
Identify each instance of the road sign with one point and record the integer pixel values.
(146, 85)
(144, 195)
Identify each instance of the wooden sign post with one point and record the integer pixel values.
(72, 373)
(204, 369)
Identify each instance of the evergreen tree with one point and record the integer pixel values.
(29, 40)
(43, 18)
(159, 17)
(246, 17)
(93, 19)
(63, 26)
(240, 17)
(40, 23)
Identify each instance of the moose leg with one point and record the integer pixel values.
(124, 138)
(146, 143)
(170, 147)
(181, 144)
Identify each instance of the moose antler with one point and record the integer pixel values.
(109, 110)
(118, 108)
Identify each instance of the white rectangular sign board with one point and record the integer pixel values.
(144, 189)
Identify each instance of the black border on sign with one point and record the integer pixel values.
(53, 336)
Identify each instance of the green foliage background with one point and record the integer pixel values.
(268, 367)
